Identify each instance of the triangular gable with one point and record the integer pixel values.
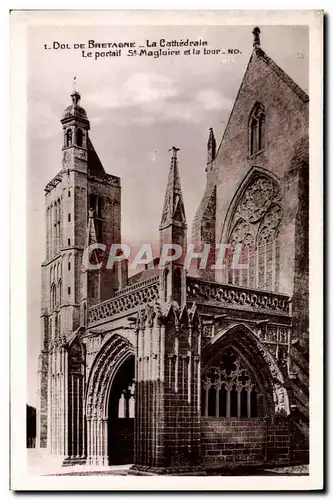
(259, 55)
(286, 78)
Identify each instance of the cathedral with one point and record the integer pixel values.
(175, 370)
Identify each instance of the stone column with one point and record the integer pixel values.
(167, 433)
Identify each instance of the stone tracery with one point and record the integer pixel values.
(255, 226)
(229, 389)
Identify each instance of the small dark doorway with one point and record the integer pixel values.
(121, 415)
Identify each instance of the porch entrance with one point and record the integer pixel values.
(121, 413)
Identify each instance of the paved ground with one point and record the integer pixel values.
(41, 464)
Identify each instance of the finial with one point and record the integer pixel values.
(75, 95)
(211, 133)
(211, 146)
(174, 151)
(256, 37)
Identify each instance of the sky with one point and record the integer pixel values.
(138, 107)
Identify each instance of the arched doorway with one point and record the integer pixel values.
(121, 415)
(110, 380)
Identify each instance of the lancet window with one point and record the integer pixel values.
(253, 258)
(256, 129)
(229, 389)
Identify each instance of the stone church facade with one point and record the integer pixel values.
(178, 371)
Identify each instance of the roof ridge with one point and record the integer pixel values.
(282, 74)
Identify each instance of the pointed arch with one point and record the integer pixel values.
(104, 368)
(256, 204)
(254, 172)
(245, 343)
(257, 129)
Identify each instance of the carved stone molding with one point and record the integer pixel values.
(131, 297)
(230, 295)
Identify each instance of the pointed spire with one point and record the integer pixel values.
(256, 37)
(173, 209)
(211, 146)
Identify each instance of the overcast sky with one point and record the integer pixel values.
(138, 108)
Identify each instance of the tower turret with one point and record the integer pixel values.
(82, 207)
(76, 125)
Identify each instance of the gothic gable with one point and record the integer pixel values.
(266, 86)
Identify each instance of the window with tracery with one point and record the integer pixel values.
(229, 389)
(253, 259)
(126, 403)
(256, 129)
(241, 241)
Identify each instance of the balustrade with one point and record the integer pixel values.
(230, 295)
(129, 298)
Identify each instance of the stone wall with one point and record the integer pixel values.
(244, 442)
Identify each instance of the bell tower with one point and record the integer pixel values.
(82, 207)
(75, 125)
